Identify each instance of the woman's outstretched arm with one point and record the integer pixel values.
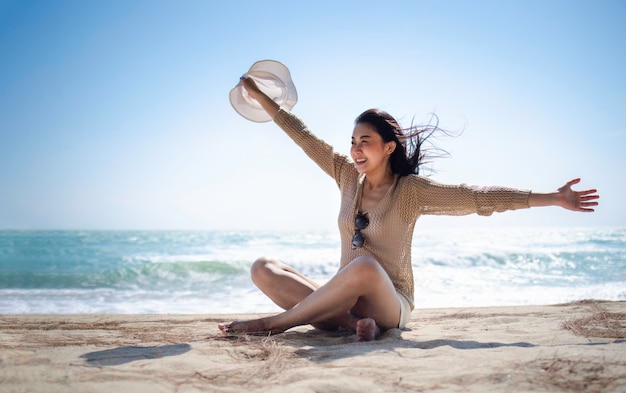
(581, 201)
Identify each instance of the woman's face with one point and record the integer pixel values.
(369, 152)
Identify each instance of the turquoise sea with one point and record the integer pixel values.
(208, 271)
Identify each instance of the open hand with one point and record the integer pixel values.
(580, 201)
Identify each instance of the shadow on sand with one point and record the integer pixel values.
(122, 355)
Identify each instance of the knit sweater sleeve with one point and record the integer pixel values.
(317, 149)
(431, 197)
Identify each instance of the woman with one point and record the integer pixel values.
(381, 198)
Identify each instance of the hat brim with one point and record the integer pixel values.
(274, 79)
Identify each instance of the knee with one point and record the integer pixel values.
(261, 269)
(364, 270)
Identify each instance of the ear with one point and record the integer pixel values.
(390, 147)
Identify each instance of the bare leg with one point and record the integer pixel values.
(362, 286)
(288, 287)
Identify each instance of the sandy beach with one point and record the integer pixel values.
(572, 348)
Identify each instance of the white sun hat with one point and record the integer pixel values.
(274, 79)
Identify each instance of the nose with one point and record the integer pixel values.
(355, 151)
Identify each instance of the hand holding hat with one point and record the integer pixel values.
(250, 86)
(270, 77)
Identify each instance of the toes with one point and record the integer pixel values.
(367, 330)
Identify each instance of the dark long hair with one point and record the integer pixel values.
(411, 152)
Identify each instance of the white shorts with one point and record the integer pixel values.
(405, 311)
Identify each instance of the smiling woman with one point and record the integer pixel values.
(381, 198)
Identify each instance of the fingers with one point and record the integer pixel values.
(587, 192)
(587, 200)
(584, 195)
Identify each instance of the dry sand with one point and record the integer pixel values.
(572, 348)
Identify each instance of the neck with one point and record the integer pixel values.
(379, 179)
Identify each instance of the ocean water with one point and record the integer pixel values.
(208, 271)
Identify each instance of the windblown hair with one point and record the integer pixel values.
(411, 153)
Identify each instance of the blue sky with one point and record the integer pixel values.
(115, 114)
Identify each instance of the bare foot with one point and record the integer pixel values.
(253, 326)
(367, 330)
